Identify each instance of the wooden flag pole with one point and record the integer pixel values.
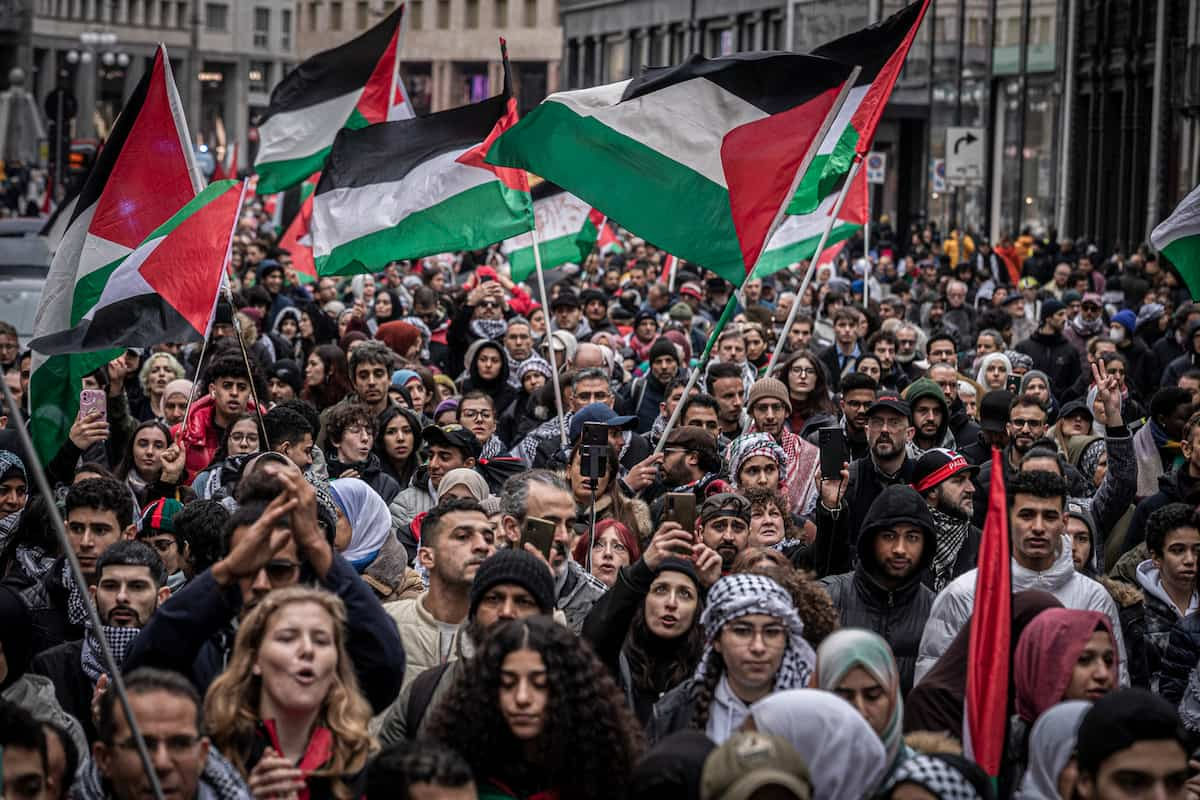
(812, 264)
(541, 278)
(826, 124)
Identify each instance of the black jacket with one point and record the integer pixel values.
(1179, 658)
(46, 601)
(1053, 355)
(865, 484)
(63, 665)
(371, 473)
(674, 712)
(898, 615)
(829, 357)
(193, 634)
(642, 401)
(966, 430)
(1174, 487)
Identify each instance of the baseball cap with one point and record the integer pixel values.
(566, 297)
(892, 403)
(936, 466)
(455, 436)
(1028, 282)
(993, 411)
(725, 504)
(747, 762)
(698, 440)
(1075, 407)
(597, 412)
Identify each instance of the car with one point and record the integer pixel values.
(24, 264)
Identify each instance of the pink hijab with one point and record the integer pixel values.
(1046, 656)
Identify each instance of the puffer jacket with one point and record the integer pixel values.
(201, 440)
(420, 634)
(898, 615)
(1179, 655)
(952, 608)
(1160, 617)
(408, 505)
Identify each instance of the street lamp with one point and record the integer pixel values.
(90, 42)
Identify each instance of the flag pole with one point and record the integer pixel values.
(812, 264)
(867, 252)
(541, 279)
(727, 314)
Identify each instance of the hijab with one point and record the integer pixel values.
(370, 520)
(983, 365)
(469, 478)
(398, 336)
(844, 755)
(178, 386)
(848, 648)
(1051, 744)
(1046, 655)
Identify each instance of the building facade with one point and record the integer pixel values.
(450, 54)
(1089, 108)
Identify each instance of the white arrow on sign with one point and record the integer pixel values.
(965, 153)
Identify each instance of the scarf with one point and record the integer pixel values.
(743, 448)
(743, 594)
(488, 328)
(92, 657)
(1085, 328)
(935, 775)
(316, 754)
(951, 533)
(219, 780)
(492, 447)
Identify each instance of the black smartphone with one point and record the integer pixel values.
(595, 450)
(1013, 384)
(681, 508)
(539, 533)
(834, 453)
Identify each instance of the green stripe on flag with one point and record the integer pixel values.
(665, 212)
(824, 175)
(437, 229)
(278, 176)
(773, 261)
(56, 384)
(210, 193)
(563, 250)
(1184, 253)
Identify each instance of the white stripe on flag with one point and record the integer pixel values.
(305, 131)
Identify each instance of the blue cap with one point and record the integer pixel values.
(1126, 318)
(597, 412)
(403, 376)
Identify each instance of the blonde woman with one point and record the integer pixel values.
(157, 371)
(287, 711)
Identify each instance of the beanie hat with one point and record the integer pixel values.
(11, 466)
(288, 371)
(662, 347)
(1051, 307)
(159, 516)
(680, 312)
(513, 566)
(1126, 318)
(769, 388)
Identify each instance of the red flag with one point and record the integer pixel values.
(988, 662)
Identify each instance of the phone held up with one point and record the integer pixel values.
(539, 533)
(834, 452)
(93, 400)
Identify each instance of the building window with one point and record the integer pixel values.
(416, 11)
(360, 15)
(260, 72)
(262, 28)
(335, 16)
(500, 14)
(285, 29)
(443, 14)
(312, 15)
(216, 17)
(472, 15)
(164, 14)
(182, 15)
(529, 18)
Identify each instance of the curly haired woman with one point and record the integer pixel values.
(287, 711)
(537, 715)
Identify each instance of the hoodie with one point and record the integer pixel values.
(1161, 615)
(501, 392)
(918, 390)
(898, 615)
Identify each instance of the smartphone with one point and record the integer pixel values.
(93, 400)
(595, 450)
(1013, 384)
(680, 507)
(539, 533)
(834, 454)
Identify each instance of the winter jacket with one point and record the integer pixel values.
(408, 505)
(202, 438)
(498, 388)
(1187, 360)
(965, 430)
(642, 401)
(898, 615)
(63, 666)
(1143, 366)
(193, 633)
(674, 712)
(576, 592)
(1179, 658)
(420, 633)
(1161, 616)
(1131, 607)
(46, 601)
(952, 608)
(370, 472)
(1176, 486)
(35, 694)
(1053, 355)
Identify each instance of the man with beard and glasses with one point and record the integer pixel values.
(858, 395)
(511, 584)
(690, 463)
(1027, 422)
(131, 582)
(456, 537)
(884, 593)
(889, 429)
(943, 479)
(725, 526)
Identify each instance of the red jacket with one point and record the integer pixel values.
(201, 440)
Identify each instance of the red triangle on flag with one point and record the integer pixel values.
(516, 179)
(376, 96)
(185, 268)
(296, 239)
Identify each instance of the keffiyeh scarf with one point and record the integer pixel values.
(219, 781)
(488, 328)
(743, 594)
(951, 533)
(935, 775)
(119, 639)
(746, 447)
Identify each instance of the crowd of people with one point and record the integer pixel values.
(312, 541)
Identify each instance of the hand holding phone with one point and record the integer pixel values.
(834, 452)
(539, 533)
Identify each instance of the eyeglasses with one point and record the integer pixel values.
(802, 371)
(1027, 423)
(745, 632)
(476, 413)
(281, 572)
(162, 545)
(489, 304)
(893, 423)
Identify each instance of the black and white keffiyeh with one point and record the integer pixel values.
(935, 775)
(951, 533)
(92, 658)
(743, 594)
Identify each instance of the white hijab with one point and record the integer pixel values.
(1051, 743)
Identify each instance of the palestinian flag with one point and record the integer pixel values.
(125, 198)
(226, 168)
(1178, 238)
(988, 663)
(418, 187)
(351, 86)
(567, 229)
(797, 238)
(880, 50)
(699, 158)
(297, 239)
(166, 289)
(607, 240)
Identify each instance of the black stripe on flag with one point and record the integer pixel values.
(333, 73)
(872, 46)
(771, 81)
(389, 151)
(139, 321)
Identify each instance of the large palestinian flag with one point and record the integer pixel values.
(567, 229)
(797, 238)
(880, 50)
(166, 289)
(125, 198)
(698, 158)
(418, 187)
(1178, 238)
(351, 86)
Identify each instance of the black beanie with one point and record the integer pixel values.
(288, 371)
(514, 566)
(684, 567)
(1121, 719)
(663, 347)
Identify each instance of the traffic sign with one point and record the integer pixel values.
(965, 156)
(937, 175)
(876, 166)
